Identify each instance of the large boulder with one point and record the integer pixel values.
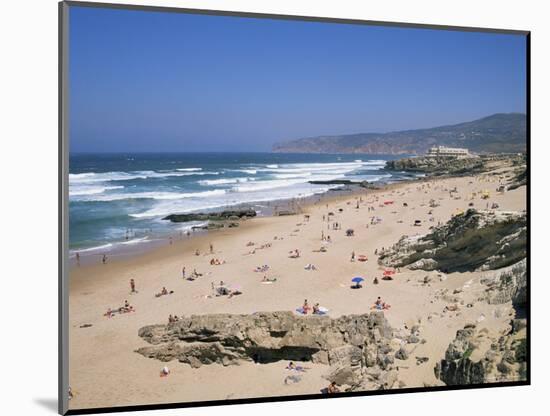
(212, 216)
(349, 344)
(266, 337)
(472, 358)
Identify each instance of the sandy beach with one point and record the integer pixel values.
(106, 371)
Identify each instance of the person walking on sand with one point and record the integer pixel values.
(183, 272)
(352, 256)
(104, 259)
(211, 249)
(78, 259)
(133, 286)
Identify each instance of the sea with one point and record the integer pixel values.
(119, 200)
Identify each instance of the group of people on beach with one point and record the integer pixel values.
(126, 308)
(315, 309)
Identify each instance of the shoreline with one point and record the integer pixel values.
(147, 243)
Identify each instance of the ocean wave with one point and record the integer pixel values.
(163, 210)
(135, 241)
(292, 175)
(151, 195)
(189, 169)
(296, 168)
(91, 190)
(228, 181)
(102, 247)
(264, 185)
(98, 177)
(231, 199)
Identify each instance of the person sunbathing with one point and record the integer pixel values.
(380, 305)
(293, 367)
(163, 292)
(271, 279)
(234, 293)
(332, 388)
(317, 309)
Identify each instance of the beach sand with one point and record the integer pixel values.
(105, 370)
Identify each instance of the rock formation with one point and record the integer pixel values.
(452, 166)
(212, 216)
(475, 240)
(520, 179)
(509, 284)
(475, 358)
(358, 348)
(437, 165)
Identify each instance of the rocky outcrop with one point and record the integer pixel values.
(358, 348)
(509, 284)
(212, 216)
(437, 165)
(520, 179)
(349, 184)
(452, 166)
(475, 240)
(475, 358)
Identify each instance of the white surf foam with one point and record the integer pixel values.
(228, 181)
(150, 195)
(94, 177)
(90, 190)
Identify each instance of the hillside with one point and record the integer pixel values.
(498, 133)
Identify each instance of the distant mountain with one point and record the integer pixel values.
(499, 133)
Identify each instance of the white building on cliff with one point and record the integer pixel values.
(443, 151)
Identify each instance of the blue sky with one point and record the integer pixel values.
(152, 81)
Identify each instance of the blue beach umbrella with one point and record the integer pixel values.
(357, 279)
